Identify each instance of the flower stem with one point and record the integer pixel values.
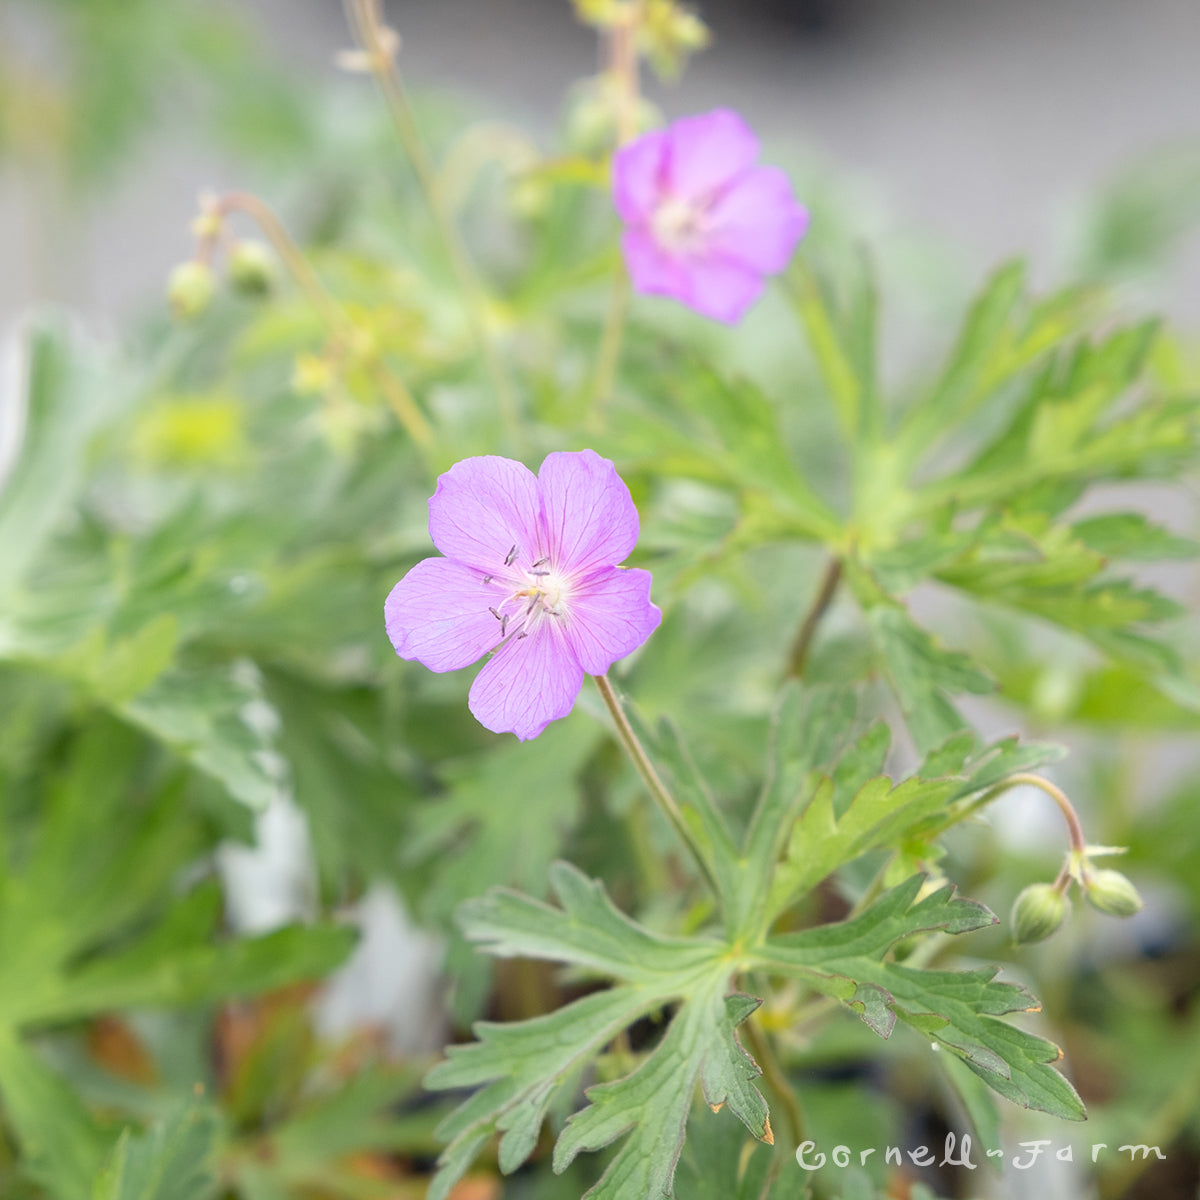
(394, 391)
(827, 589)
(650, 777)
(366, 20)
(1074, 827)
(611, 340)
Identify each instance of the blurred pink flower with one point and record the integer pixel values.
(530, 574)
(703, 223)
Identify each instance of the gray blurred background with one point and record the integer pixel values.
(987, 122)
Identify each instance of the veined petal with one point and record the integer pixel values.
(708, 151)
(483, 507)
(610, 616)
(758, 221)
(637, 176)
(588, 516)
(722, 288)
(438, 615)
(527, 683)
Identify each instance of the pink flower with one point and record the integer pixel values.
(530, 574)
(703, 223)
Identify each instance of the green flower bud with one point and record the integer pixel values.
(1112, 893)
(251, 269)
(1037, 912)
(190, 289)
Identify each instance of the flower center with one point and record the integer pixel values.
(531, 595)
(679, 225)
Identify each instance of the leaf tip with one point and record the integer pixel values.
(768, 1133)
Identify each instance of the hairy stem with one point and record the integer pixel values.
(399, 398)
(802, 642)
(637, 755)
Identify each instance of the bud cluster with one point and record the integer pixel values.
(1041, 908)
(250, 268)
(666, 31)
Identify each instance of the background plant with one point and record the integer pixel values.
(198, 533)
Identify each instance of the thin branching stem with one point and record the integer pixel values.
(380, 57)
(637, 755)
(394, 391)
(802, 642)
(623, 68)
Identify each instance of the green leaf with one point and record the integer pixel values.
(476, 817)
(1132, 536)
(173, 1160)
(61, 1146)
(63, 396)
(219, 721)
(809, 729)
(651, 1105)
(840, 372)
(587, 931)
(959, 1010)
(923, 673)
(525, 1064)
(727, 433)
(179, 962)
(879, 815)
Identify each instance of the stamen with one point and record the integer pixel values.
(511, 558)
(541, 562)
(504, 624)
(521, 635)
(540, 572)
(487, 579)
(495, 614)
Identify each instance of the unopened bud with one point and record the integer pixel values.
(1037, 912)
(190, 289)
(1112, 893)
(251, 269)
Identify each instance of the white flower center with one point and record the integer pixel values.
(531, 595)
(679, 225)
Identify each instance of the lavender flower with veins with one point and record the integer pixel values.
(530, 573)
(703, 223)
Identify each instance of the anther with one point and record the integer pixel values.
(511, 557)
(487, 579)
(540, 573)
(521, 635)
(495, 614)
(541, 562)
(504, 624)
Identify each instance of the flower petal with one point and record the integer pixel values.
(588, 516)
(637, 176)
(758, 221)
(610, 616)
(482, 508)
(708, 151)
(652, 270)
(438, 615)
(527, 683)
(722, 288)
